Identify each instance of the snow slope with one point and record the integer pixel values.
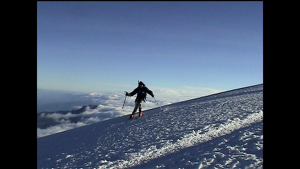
(222, 130)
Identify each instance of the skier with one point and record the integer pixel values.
(141, 92)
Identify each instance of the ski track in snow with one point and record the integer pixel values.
(218, 131)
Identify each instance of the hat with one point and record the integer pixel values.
(141, 83)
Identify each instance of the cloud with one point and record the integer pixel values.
(198, 91)
(168, 96)
(58, 128)
(57, 116)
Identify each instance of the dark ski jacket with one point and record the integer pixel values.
(141, 93)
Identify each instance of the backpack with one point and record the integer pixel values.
(142, 93)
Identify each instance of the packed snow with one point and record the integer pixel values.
(222, 130)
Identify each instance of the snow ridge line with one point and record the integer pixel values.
(187, 140)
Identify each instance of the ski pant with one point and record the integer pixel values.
(138, 104)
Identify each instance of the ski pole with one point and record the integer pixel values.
(123, 104)
(158, 105)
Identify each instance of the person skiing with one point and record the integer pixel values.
(141, 92)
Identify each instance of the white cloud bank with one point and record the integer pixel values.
(186, 93)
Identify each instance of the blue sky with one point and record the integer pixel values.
(108, 46)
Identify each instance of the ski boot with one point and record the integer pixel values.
(140, 112)
(131, 116)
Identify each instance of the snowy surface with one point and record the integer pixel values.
(218, 131)
(66, 111)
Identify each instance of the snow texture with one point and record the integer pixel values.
(222, 130)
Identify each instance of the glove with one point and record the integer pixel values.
(127, 94)
(152, 95)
